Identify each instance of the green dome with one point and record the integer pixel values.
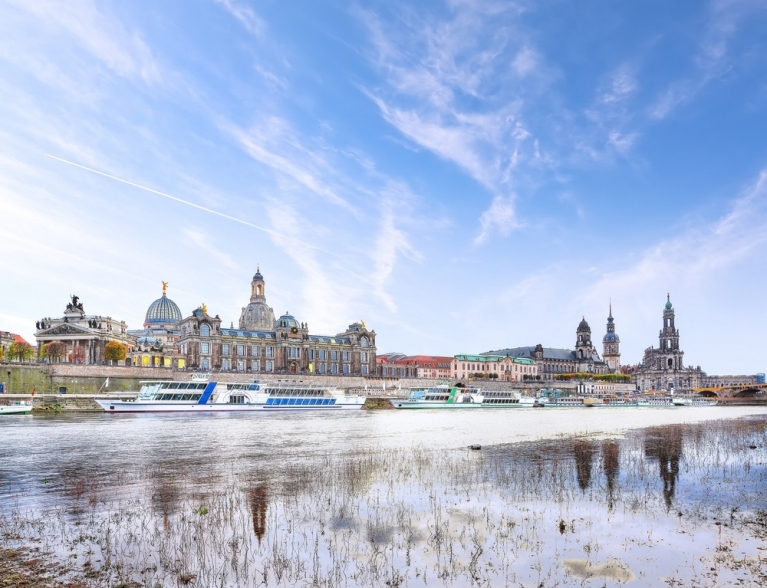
(668, 302)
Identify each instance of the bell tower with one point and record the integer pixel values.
(258, 287)
(670, 355)
(611, 344)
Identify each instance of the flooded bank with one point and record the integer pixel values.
(361, 500)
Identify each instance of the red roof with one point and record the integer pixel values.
(14, 336)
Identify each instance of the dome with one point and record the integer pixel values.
(668, 305)
(611, 338)
(287, 321)
(258, 276)
(162, 310)
(257, 316)
(584, 326)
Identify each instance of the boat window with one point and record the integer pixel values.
(173, 386)
(176, 396)
(166, 396)
(292, 401)
(332, 401)
(306, 401)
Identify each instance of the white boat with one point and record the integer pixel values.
(560, 402)
(446, 397)
(16, 407)
(694, 400)
(200, 395)
(655, 401)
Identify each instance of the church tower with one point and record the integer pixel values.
(258, 287)
(611, 345)
(583, 346)
(670, 355)
(257, 315)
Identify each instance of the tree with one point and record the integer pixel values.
(2, 352)
(54, 351)
(115, 351)
(20, 350)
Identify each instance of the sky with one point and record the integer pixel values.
(462, 176)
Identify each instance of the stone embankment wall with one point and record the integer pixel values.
(90, 379)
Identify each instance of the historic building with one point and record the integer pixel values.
(83, 335)
(663, 368)
(400, 365)
(156, 343)
(611, 345)
(552, 361)
(7, 339)
(502, 367)
(265, 344)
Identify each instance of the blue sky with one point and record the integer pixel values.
(463, 176)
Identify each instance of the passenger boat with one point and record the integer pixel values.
(560, 401)
(200, 395)
(655, 401)
(16, 407)
(453, 397)
(609, 401)
(694, 400)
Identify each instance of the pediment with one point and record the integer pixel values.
(64, 329)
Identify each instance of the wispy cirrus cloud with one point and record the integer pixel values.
(444, 90)
(247, 17)
(713, 58)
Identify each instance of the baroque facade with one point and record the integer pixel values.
(399, 365)
(505, 367)
(552, 361)
(84, 335)
(265, 344)
(663, 368)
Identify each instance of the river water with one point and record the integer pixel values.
(555, 496)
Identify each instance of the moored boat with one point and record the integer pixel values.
(200, 395)
(447, 397)
(694, 400)
(655, 401)
(16, 407)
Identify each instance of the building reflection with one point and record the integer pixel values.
(665, 445)
(258, 499)
(611, 467)
(583, 451)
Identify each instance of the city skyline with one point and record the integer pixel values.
(463, 178)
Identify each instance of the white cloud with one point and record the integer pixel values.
(525, 62)
(253, 23)
(501, 217)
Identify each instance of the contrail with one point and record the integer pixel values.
(192, 204)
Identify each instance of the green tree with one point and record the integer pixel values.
(115, 351)
(54, 351)
(20, 351)
(2, 352)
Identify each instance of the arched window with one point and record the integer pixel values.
(204, 330)
(670, 362)
(259, 289)
(363, 341)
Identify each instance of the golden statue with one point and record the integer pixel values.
(204, 308)
(363, 325)
(164, 288)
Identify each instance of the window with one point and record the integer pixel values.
(294, 352)
(226, 364)
(322, 368)
(269, 364)
(334, 355)
(204, 347)
(334, 368)
(241, 350)
(364, 370)
(311, 354)
(254, 365)
(204, 363)
(240, 366)
(346, 356)
(270, 352)
(204, 330)
(346, 369)
(225, 349)
(363, 341)
(254, 351)
(322, 354)
(364, 356)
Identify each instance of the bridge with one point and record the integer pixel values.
(739, 391)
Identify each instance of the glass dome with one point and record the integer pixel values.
(162, 310)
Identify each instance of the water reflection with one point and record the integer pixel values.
(611, 467)
(665, 445)
(258, 499)
(584, 456)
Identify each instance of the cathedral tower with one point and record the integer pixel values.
(611, 345)
(258, 315)
(669, 353)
